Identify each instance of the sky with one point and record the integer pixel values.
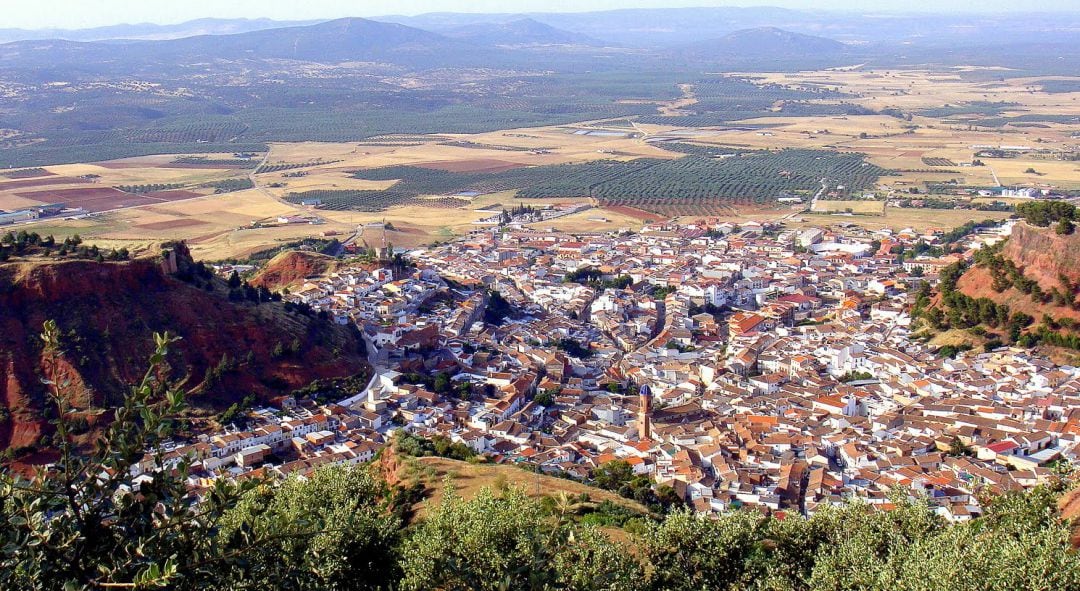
(77, 14)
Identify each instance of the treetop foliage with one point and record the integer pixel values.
(1044, 213)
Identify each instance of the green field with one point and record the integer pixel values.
(692, 183)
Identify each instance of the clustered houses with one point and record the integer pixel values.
(779, 370)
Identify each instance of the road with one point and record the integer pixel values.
(254, 181)
(821, 191)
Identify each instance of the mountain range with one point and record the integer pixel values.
(487, 44)
(150, 31)
(644, 28)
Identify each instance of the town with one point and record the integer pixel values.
(742, 365)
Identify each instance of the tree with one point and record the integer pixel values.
(613, 474)
(544, 398)
(82, 525)
(234, 280)
(493, 543)
(338, 529)
(442, 383)
(686, 552)
(88, 523)
(1065, 227)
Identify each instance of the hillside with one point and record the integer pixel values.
(1044, 254)
(202, 26)
(290, 268)
(1041, 255)
(470, 478)
(341, 40)
(524, 31)
(107, 314)
(1069, 505)
(767, 42)
(1022, 293)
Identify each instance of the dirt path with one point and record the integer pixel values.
(674, 108)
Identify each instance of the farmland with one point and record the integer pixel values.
(430, 186)
(859, 207)
(896, 218)
(699, 184)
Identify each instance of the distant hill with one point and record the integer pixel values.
(148, 31)
(525, 31)
(632, 27)
(342, 40)
(108, 312)
(675, 27)
(347, 39)
(767, 42)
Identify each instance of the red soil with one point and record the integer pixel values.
(977, 283)
(93, 199)
(96, 199)
(41, 182)
(207, 165)
(114, 308)
(291, 268)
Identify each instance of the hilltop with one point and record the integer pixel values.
(1021, 293)
(289, 269)
(1043, 257)
(469, 478)
(107, 313)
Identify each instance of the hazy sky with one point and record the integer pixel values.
(91, 13)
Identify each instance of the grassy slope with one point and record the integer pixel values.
(471, 478)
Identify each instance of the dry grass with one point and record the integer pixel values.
(861, 207)
(470, 479)
(148, 173)
(900, 218)
(592, 220)
(956, 338)
(1059, 173)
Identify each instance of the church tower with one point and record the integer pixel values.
(644, 413)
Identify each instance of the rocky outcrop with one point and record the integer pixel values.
(108, 312)
(1043, 254)
(289, 269)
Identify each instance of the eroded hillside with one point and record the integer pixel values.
(107, 314)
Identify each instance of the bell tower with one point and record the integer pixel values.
(644, 413)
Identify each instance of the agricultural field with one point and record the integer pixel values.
(699, 184)
(897, 218)
(855, 206)
(111, 185)
(760, 136)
